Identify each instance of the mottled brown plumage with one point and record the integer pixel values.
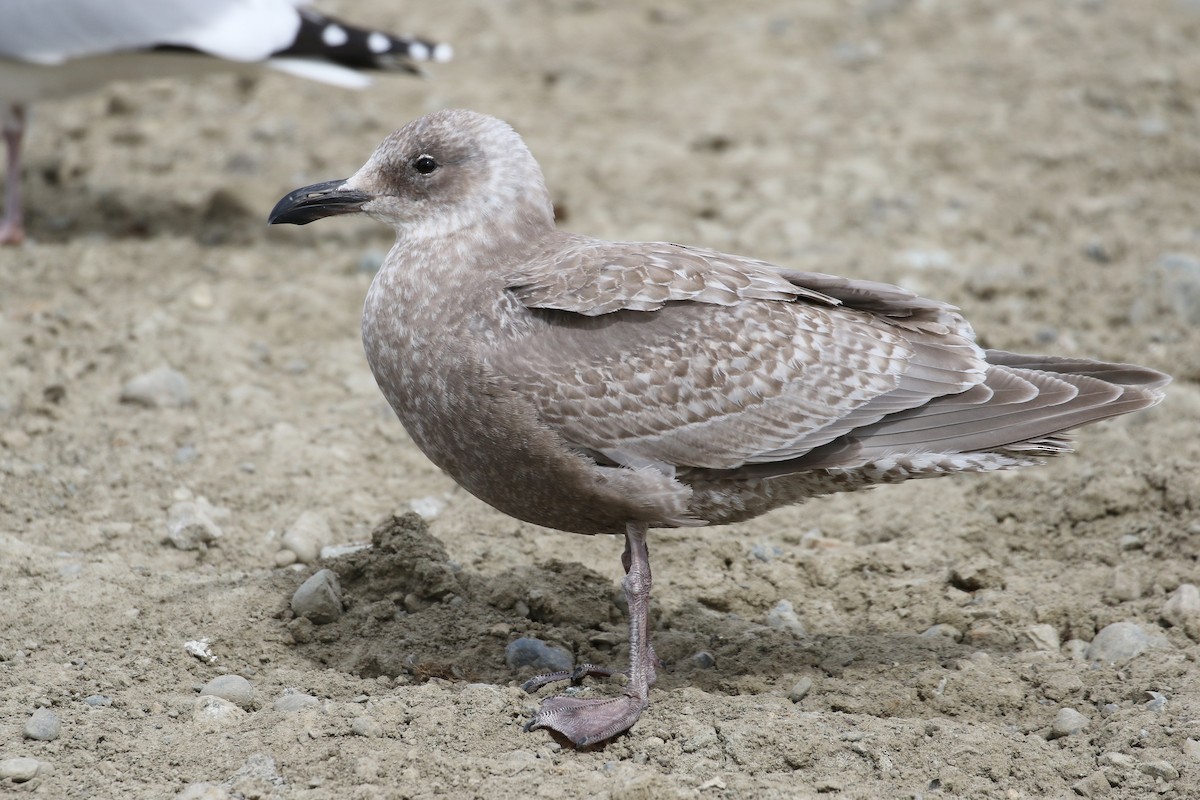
(611, 387)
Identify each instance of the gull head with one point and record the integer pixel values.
(445, 173)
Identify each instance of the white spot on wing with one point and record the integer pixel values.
(418, 52)
(442, 52)
(378, 43)
(334, 36)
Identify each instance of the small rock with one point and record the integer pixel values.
(1075, 649)
(98, 700)
(1118, 760)
(530, 652)
(703, 660)
(1191, 748)
(319, 598)
(366, 726)
(942, 630)
(1094, 785)
(307, 535)
(204, 791)
(43, 726)
(800, 690)
(158, 388)
(292, 701)
(1159, 769)
(1157, 701)
(1043, 638)
(233, 688)
(191, 524)
(1067, 722)
(339, 550)
(284, 558)
(429, 507)
(19, 770)
(783, 617)
(766, 552)
(215, 712)
(1120, 642)
(1183, 607)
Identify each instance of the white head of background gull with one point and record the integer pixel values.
(613, 387)
(56, 48)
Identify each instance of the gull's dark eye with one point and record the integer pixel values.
(424, 164)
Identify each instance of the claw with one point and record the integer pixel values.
(588, 722)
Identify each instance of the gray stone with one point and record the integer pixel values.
(158, 388)
(319, 598)
(1120, 642)
(703, 660)
(942, 631)
(1159, 769)
(233, 688)
(1157, 701)
(1067, 722)
(19, 770)
(292, 701)
(366, 726)
(1042, 637)
(800, 690)
(782, 616)
(44, 726)
(215, 713)
(191, 524)
(1182, 607)
(1118, 760)
(98, 700)
(307, 535)
(530, 652)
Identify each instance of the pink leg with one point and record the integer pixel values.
(12, 226)
(587, 722)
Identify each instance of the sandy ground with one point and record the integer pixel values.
(1040, 168)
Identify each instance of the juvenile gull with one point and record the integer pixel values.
(612, 387)
(55, 48)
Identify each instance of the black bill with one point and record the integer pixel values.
(315, 202)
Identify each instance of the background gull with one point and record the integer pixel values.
(56, 48)
(612, 387)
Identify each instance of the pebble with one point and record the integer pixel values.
(191, 524)
(19, 770)
(1119, 642)
(942, 631)
(1118, 760)
(1075, 649)
(783, 617)
(307, 535)
(1191, 748)
(319, 598)
(1041, 637)
(1157, 701)
(216, 711)
(1159, 769)
(233, 688)
(158, 388)
(292, 701)
(204, 791)
(530, 652)
(43, 726)
(339, 550)
(800, 690)
(429, 508)
(766, 552)
(1182, 607)
(1067, 722)
(98, 700)
(703, 660)
(366, 726)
